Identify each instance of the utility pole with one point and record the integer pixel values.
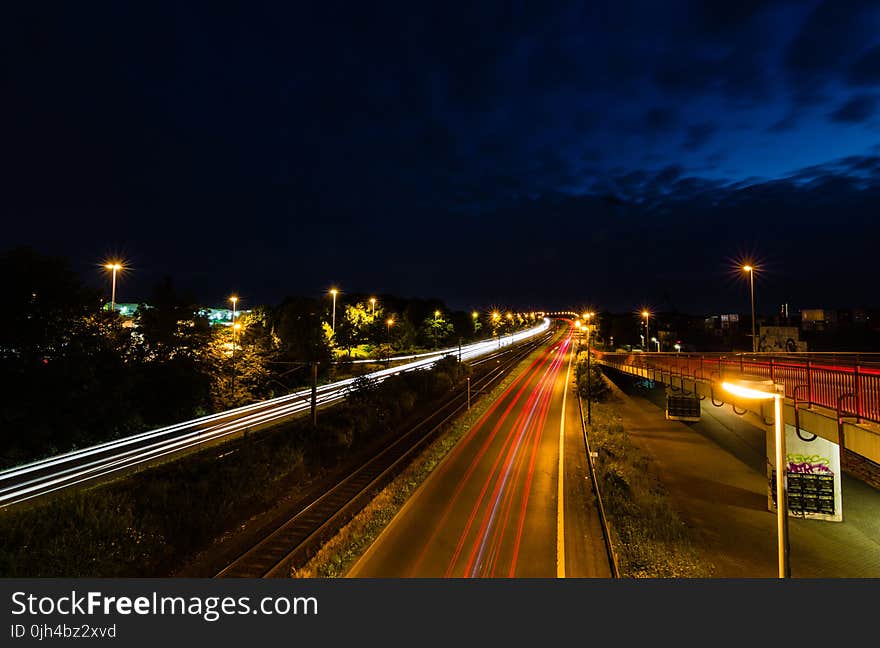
(314, 394)
(469, 392)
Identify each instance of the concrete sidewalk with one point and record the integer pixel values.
(714, 472)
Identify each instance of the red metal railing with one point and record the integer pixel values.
(847, 383)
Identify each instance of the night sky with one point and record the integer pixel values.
(530, 154)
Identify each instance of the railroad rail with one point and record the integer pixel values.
(292, 543)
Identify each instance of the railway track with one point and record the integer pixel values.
(295, 541)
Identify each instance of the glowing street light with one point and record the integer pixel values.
(388, 324)
(234, 301)
(646, 314)
(657, 342)
(760, 389)
(333, 292)
(373, 304)
(751, 270)
(115, 267)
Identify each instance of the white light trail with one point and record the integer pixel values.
(62, 471)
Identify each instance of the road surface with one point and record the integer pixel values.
(505, 502)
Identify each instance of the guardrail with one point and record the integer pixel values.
(846, 383)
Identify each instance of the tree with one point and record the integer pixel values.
(64, 363)
(437, 331)
(247, 376)
(591, 384)
(353, 328)
(174, 379)
(172, 324)
(298, 326)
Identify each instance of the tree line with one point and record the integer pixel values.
(73, 373)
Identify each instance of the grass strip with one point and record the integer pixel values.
(648, 535)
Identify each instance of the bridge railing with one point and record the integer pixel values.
(847, 383)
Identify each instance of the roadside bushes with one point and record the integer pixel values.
(594, 385)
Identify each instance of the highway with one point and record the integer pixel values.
(86, 465)
(505, 502)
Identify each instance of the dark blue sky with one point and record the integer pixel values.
(521, 153)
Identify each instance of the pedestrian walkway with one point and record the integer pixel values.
(714, 472)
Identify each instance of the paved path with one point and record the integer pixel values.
(714, 471)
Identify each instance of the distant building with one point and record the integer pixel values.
(818, 319)
(215, 316)
(722, 325)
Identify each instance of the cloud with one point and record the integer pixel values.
(829, 40)
(785, 123)
(858, 109)
(866, 71)
(698, 135)
(659, 120)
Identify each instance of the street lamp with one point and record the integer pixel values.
(589, 374)
(646, 315)
(373, 304)
(751, 270)
(333, 292)
(657, 342)
(235, 327)
(760, 389)
(115, 267)
(234, 301)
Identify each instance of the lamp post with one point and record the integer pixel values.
(373, 304)
(646, 315)
(760, 389)
(234, 301)
(657, 342)
(333, 292)
(235, 327)
(114, 267)
(388, 324)
(751, 270)
(589, 317)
